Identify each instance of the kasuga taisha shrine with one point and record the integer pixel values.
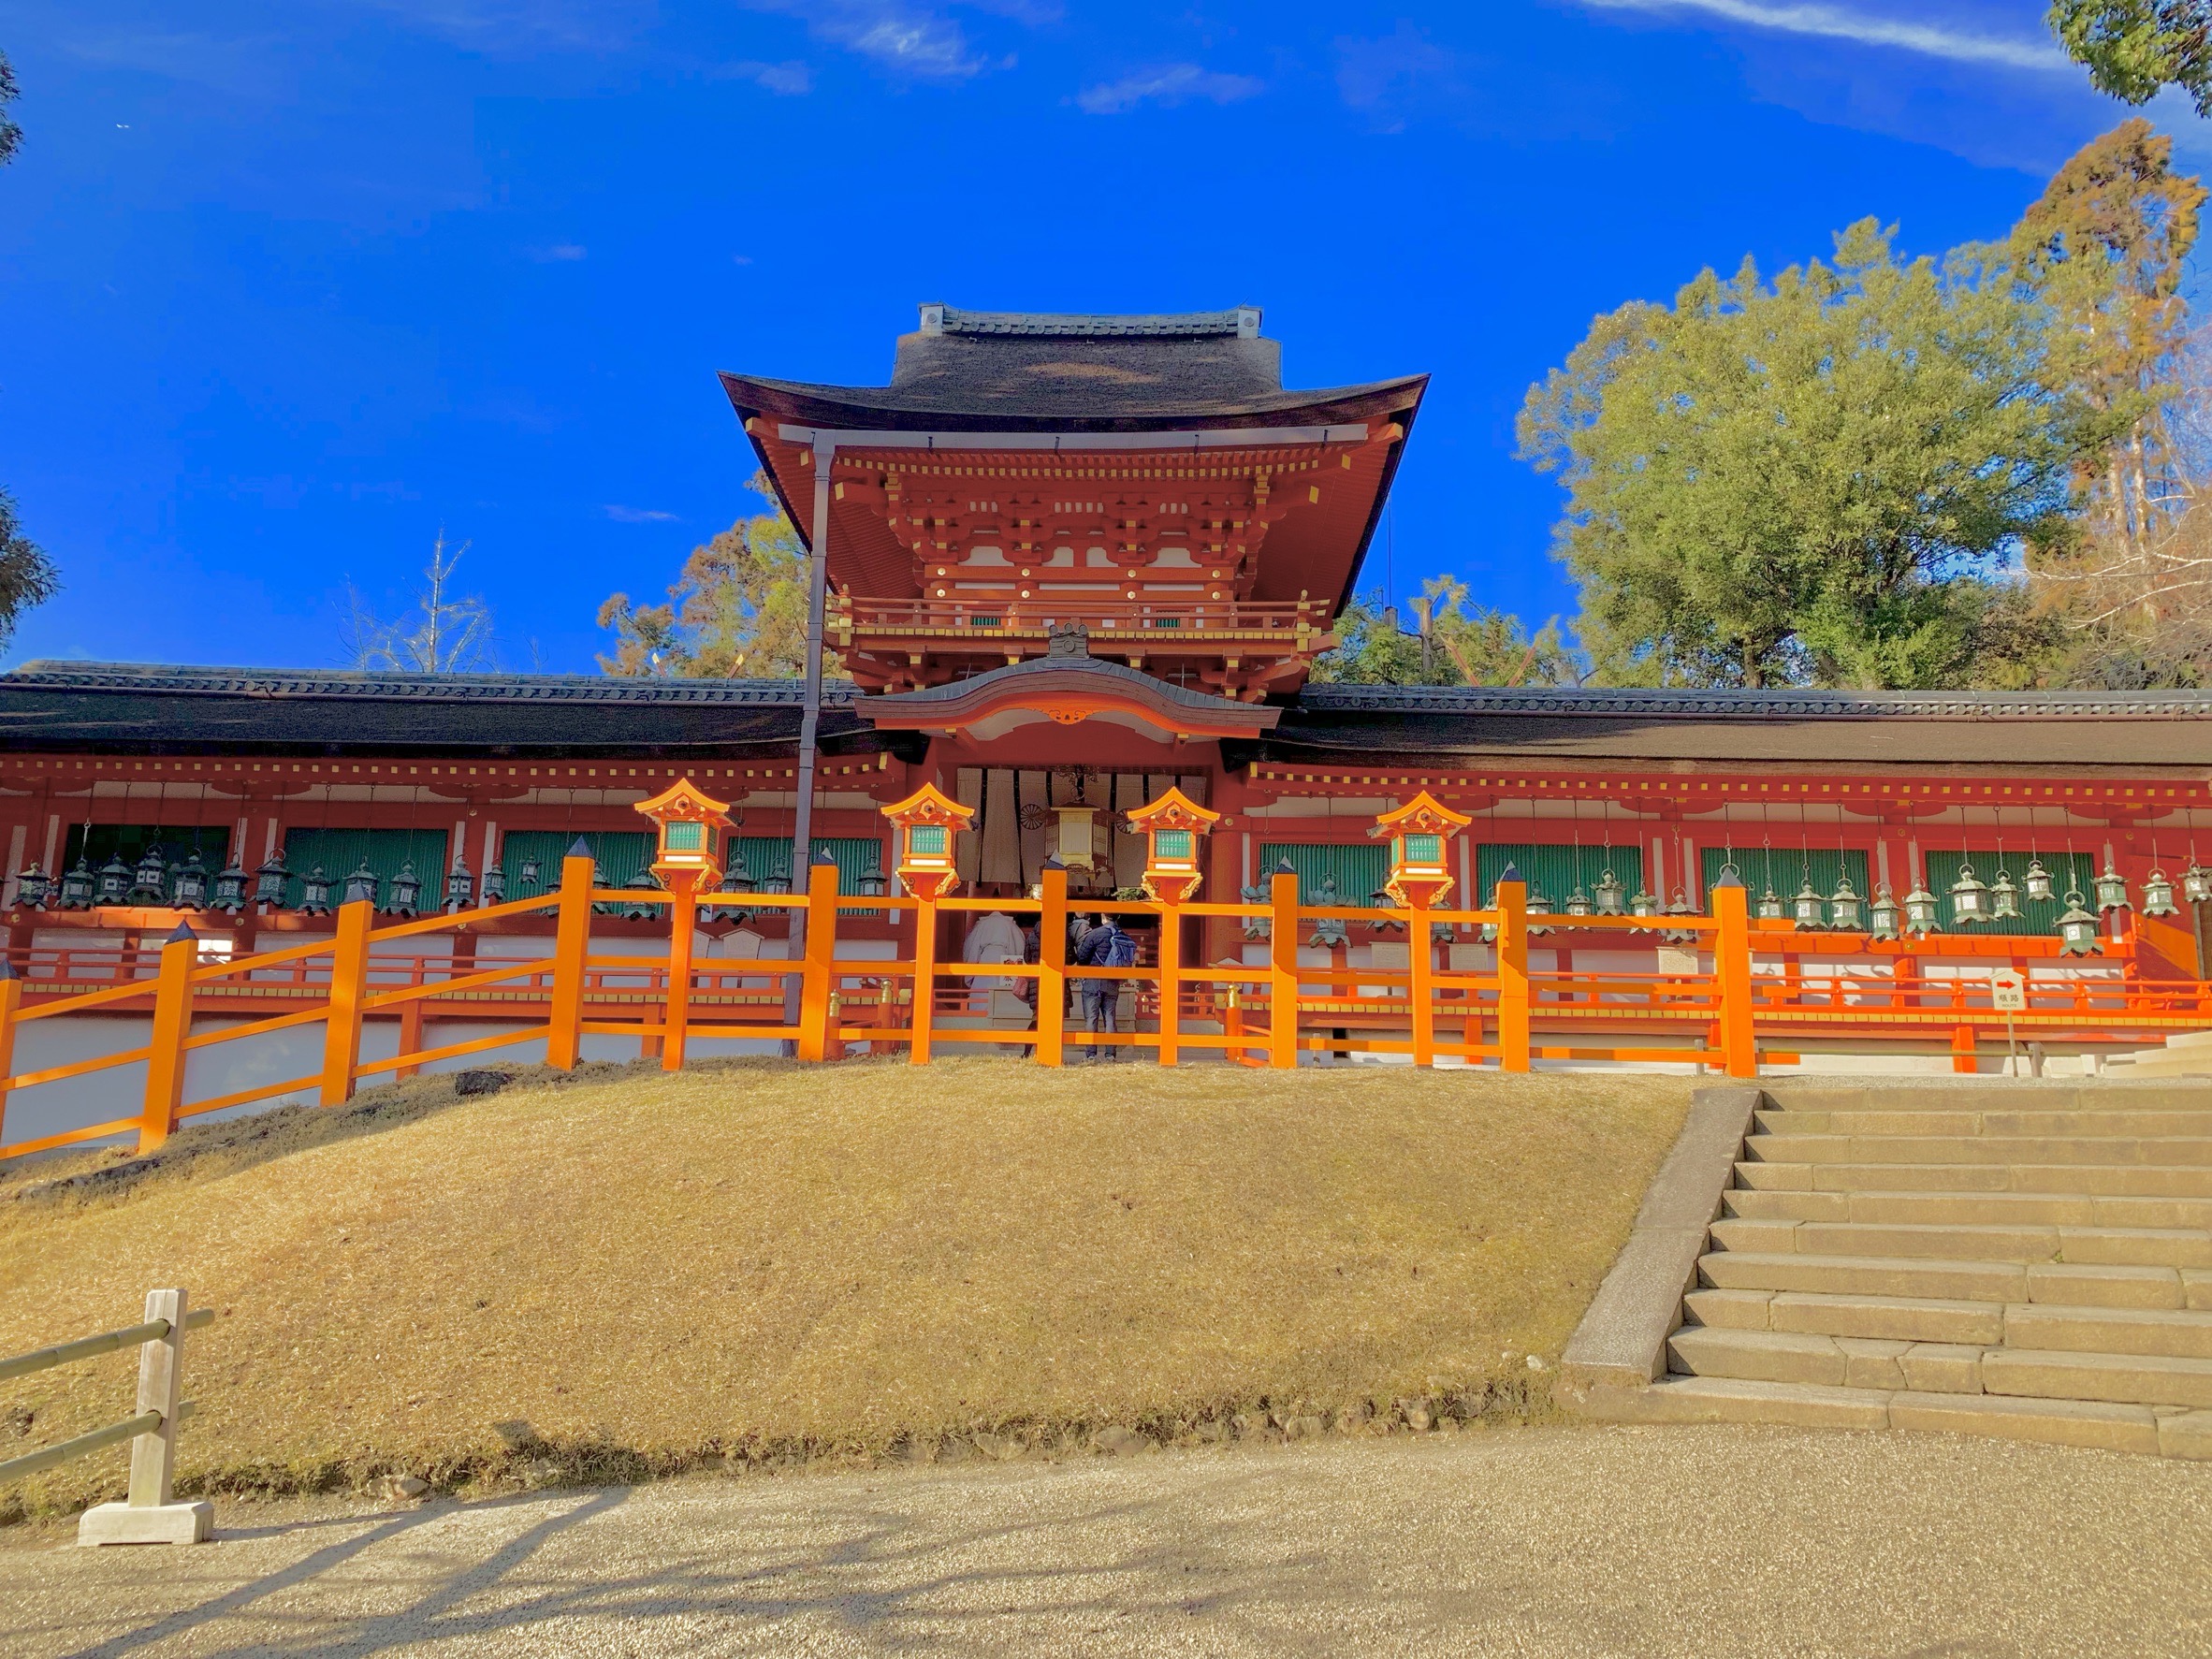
(1077, 570)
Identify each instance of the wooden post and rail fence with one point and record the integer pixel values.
(150, 1514)
(1725, 1015)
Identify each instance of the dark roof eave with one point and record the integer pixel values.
(880, 409)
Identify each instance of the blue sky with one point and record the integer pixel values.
(287, 288)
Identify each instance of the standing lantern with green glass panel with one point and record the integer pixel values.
(1175, 827)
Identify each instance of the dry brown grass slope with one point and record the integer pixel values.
(757, 1254)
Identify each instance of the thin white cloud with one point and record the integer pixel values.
(786, 80)
(1168, 83)
(560, 254)
(638, 515)
(1837, 22)
(904, 37)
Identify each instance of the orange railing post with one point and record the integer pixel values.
(572, 946)
(822, 950)
(12, 997)
(1732, 969)
(1420, 961)
(1282, 971)
(1170, 981)
(349, 987)
(1513, 1029)
(676, 1008)
(924, 978)
(1052, 968)
(172, 1024)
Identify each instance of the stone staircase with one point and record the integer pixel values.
(2186, 1054)
(2022, 1259)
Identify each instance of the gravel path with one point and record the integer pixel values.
(1568, 1541)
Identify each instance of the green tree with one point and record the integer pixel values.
(1819, 479)
(11, 136)
(27, 577)
(1449, 648)
(2134, 48)
(737, 611)
(2105, 248)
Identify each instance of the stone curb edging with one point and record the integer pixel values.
(1621, 1341)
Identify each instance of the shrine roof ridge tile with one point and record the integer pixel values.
(190, 679)
(1637, 702)
(1092, 325)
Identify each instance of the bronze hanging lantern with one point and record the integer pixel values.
(1577, 902)
(362, 886)
(1682, 906)
(1970, 897)
(2005, 898)
(2112, 889)
(2196, 883)
(461, 886)
(150, 883)
(1806, 907)
(2158, 895)
(2037, 886)
(314, 893)
(1920, 910)
(1882, 915)
(77, 887)
(188, 886)
(269, 882)
(1844, 906)
(495, 885)
(32, 888)
(2077, 928)
(1611, 896)
(230, 888)
(1645, 904)
(406, 891)
(527, 877)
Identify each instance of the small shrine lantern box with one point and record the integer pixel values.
(1419, 834)
(689, 857)
(1175, 826)
(926, 821)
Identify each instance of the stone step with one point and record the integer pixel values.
(1942, 1368)
(2132, 1379)
(2083, 1285)
(2135, 1247)
(2171, 1332)
(2162, 1150)
(1988, 1094)
(1974, 1209)
(2161, 1123)
(2063, 1423)
(2087, 1180)
(1815, 1313)
(2162, 1063)
(1835, 1361)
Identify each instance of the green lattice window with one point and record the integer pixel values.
(1785, 871)
(768, 857)
(385, 852)
(2077, 869)
(1555, 871)
(624, 858)
(1359, 869)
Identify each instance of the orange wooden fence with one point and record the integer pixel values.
(1264, 1013)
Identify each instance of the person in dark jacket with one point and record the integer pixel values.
(1102, 945)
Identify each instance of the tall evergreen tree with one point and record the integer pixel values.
(2134, 49)
(1816, 480)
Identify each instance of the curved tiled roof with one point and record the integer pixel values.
(186, 679)
(1647, 703)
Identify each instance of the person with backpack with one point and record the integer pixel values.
(1103, 945)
